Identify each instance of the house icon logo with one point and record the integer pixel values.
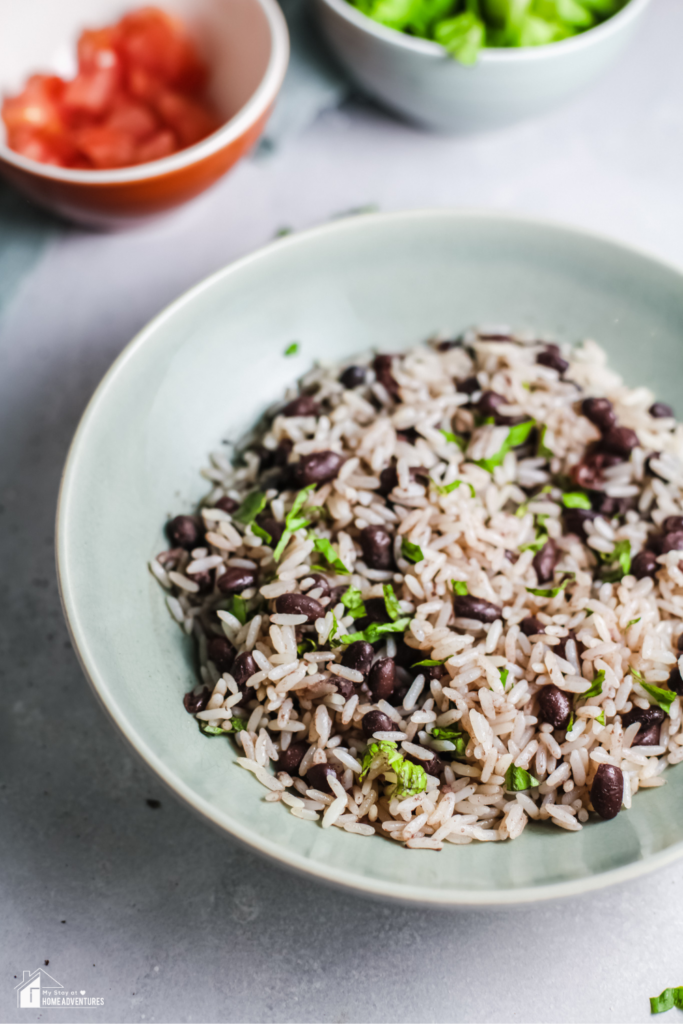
(30, 988)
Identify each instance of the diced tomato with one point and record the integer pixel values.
(152, 40)
(190, 120)
(161, 144)
(38, 106)
(135, 98)
(106, 147)
(137, 119)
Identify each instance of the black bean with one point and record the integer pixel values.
(377, 547)
(382, 678)
(353, 376)
(196, 702)
(299, 604)
(388, 479)
(619, 441)
(243, 668)
(608, 507)
(672, 542)
(318, 775)
(185, 532)
(376, 721)
(488, 405)
(204, 581)
(227, 504)
(235, 579)
(607, 791)
(554, 706)
(468, 386)
(574, 521)
(672, 524)
(552, 357)
(600, 412)
(221, 653)
(545, 561)
(433, 766)
(344, 686)
(376, 612)
(650, 720)
(382, 367)
(531, 626)
(274, 457)
(466, 606)
(407, 436)
(321, 584)
(675, 682)
(272, 526)
(358, 656)
(644, 564)
(447, 345)
(304, 405)
(290, 759)
(589, 472)
(660, 411)
(317, 468)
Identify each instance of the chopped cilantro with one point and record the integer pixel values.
(447, 488)
(455, 439)
(664, 698)
(258, 531)
(292, 349)
(427, 663)
(522, 509)
(633, 621)
(352, 599)
(236, 725)
(669, 998)
(552, 591)
(323, 547)
(517, 780)
(595, 688)
(542, 450)
(333, 632)
(517, 435)
(460, 588)
(391, 602)
(306, 645)
(377, 629)
(411, 779)
(536, 545)
(621, 554)
(238, 608)
(293, 521)
(454, 736)
(601, 717)
(413, 552)
(576, 499)
(252, 505)
(504, 673)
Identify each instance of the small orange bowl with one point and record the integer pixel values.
(246, 46)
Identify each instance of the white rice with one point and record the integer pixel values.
(478, 716)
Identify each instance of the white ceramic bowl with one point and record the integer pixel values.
(246, 45)
(421, 81)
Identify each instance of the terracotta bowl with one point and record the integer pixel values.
(246, 45)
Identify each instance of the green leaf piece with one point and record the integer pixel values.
(377, 629)
(633, 621)
(324, 547)
(517, 435)
(576, 499)
(252, 505)
(459, 588)
(666, 1000)
(292, 349)
(412, 552)
(306, 645)
(463, 36)
(504, 673)
(391, 602)
(258, 531)
(427, 663)
(293, 521)
(518, 779)
(552, 591)
(455, 439)
(411, 779)
(352, 599)
(238, 608)
(447, 488)
(543, 451)
(455, 736)
(664, 698)
(595, 688)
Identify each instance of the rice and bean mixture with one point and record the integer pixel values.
(440, 593)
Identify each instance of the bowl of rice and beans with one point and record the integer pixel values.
(428, 593)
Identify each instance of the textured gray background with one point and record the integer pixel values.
(149, 908)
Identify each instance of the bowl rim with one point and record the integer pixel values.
(491, 55)
(347, 880)
(256, 106)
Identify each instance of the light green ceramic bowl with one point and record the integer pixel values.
(420, 80)
(204, 370)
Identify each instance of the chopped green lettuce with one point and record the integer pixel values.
(455, 439)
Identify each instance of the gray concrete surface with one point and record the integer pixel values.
(146, 907)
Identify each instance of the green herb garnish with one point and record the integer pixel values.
(391, 602)
(455, 439)
(413, 552)
(377, 629)
(517, 435)
(252, 505)
(504, 673)
(427, 663)
(323, 547)
(306, 645)
(543, 451)
(669, 998)
(595, 688)
(454, 736)
(622, 555)
(460, 588)
(633, 621)
(411, 779)
(551, 591)
(517, 780)
(236, 725)
(447, 488)
(258, 531)
(352, 599)
(238, 608)
(293, 521)
(664, 698)
(576, 499)
(292, 349)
